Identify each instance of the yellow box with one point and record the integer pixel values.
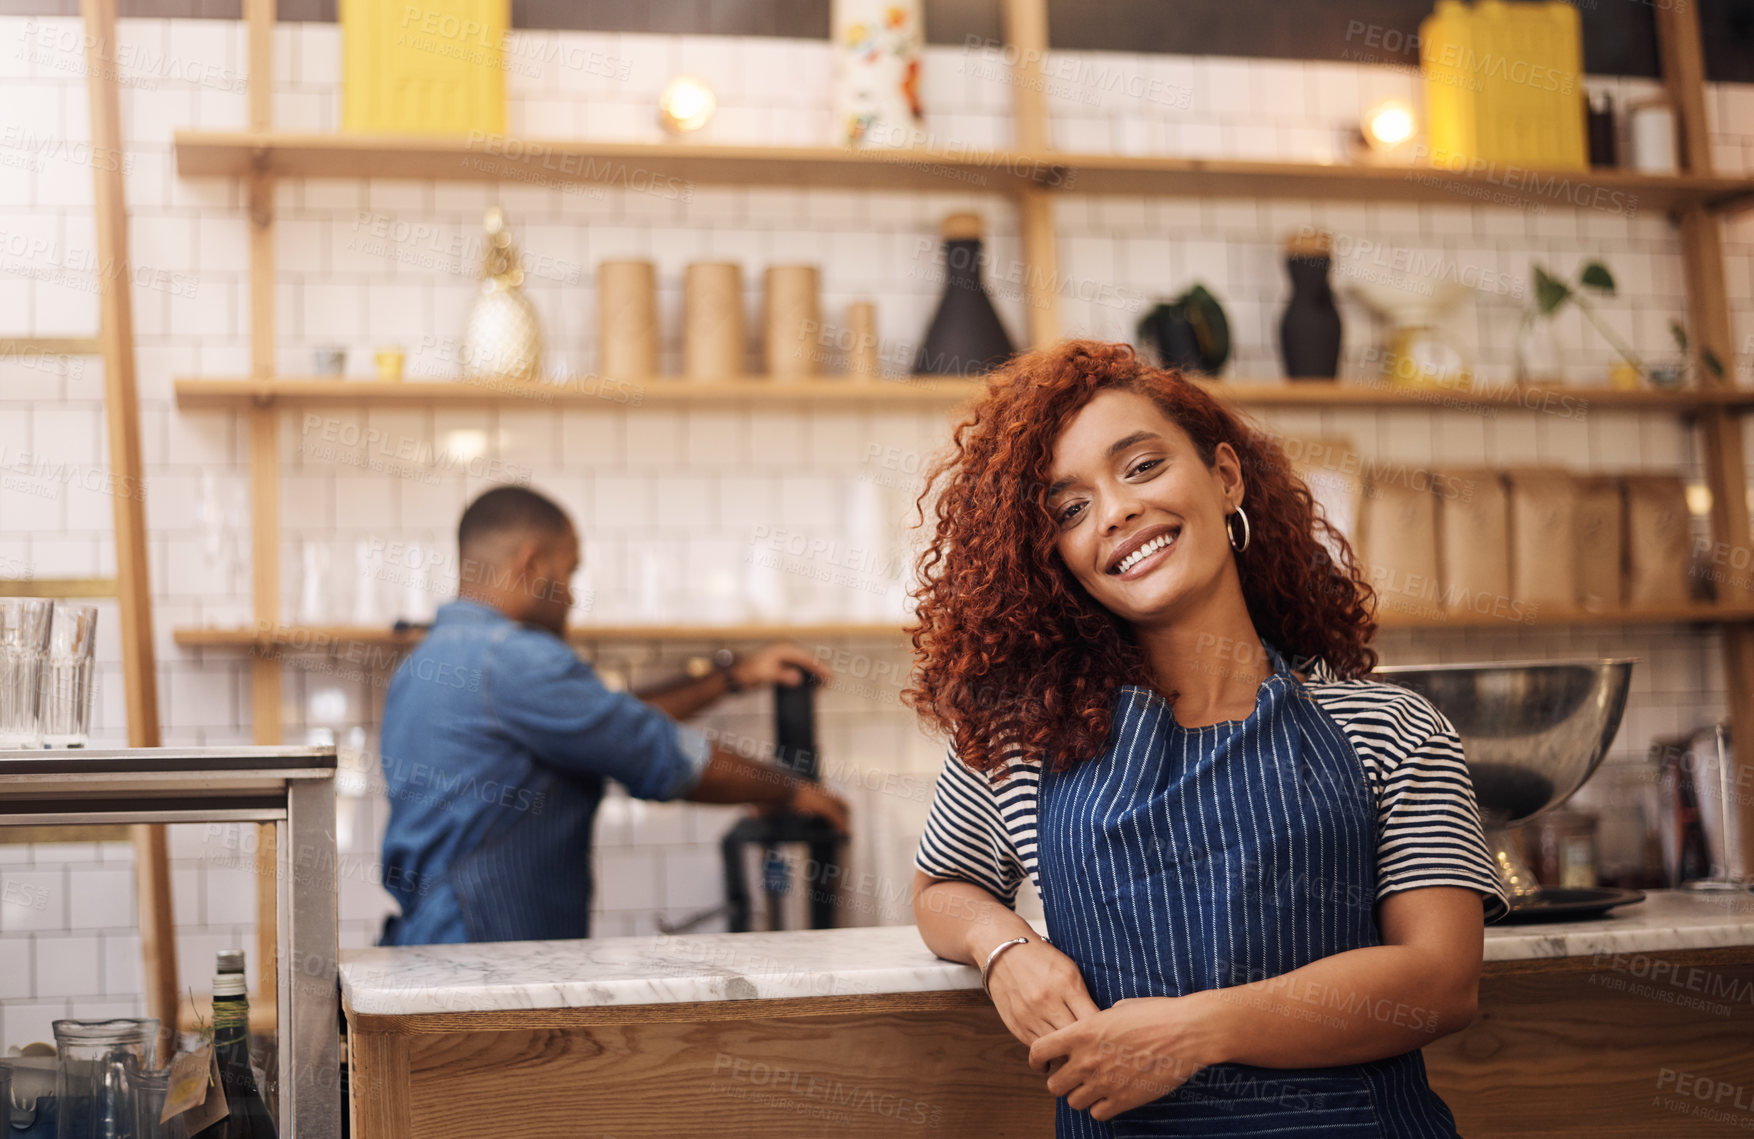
(423, 66)
(1503, 83)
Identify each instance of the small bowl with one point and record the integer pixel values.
(389, 362)
(329, 360)
(1667, 377)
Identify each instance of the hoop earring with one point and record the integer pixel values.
(1232, 533)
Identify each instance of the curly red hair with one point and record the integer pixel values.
(1012, 654)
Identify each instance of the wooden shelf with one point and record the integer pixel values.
(58, 587)
(50, 346)
(1556, 399)
(1549, 617)
(670, 167)
(924, 391)
(663, 169)
(831, 390)
(330, 638)
(1620, 191)
(334, 638)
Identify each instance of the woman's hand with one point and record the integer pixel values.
(1139, 1050)
(1038, 989)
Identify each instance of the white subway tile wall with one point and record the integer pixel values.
(757, 511)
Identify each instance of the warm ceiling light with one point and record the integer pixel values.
(686, 104)
(465, 443)
(1389, 125)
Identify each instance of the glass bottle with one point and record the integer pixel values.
(502, 339)
(246, 1115)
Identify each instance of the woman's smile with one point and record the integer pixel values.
(1144, 552)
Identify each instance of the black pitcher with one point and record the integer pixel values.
(965, 337)
(1309, 332)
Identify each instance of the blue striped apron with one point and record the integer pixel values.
(1185, 859)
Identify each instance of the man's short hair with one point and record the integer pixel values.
(509, 510)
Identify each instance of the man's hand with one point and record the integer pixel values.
(819, 802)
(778, 663)
(1137, 1051)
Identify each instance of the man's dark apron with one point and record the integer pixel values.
(526, 879)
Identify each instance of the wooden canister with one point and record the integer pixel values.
(627, 320)
(712, 321)
(791, 322)
(863, 361)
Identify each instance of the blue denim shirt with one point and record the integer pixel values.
(497, 741)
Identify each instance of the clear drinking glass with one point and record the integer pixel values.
(152, 1087)
(313, 582)
(24, 637)
(97, 1076)
(68, 674)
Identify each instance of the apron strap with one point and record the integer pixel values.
(1276, 658)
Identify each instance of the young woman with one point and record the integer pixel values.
(1263, 874)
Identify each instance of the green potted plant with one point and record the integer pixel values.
(1552, 294)
(1677, 375)
(1191, 332)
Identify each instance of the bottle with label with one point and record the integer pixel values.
(246, 1115)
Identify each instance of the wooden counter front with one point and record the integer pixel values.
(1634, 1026)
(1634, 1044)
(858, 1066)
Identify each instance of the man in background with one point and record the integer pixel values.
(498, 742)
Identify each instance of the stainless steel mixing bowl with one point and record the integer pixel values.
(1532, 731)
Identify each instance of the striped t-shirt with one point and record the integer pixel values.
(1428, 824)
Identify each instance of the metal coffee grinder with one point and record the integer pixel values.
(798, 856)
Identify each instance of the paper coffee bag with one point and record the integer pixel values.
(1543, 541)
(1659, 531)
(1397, 542)
(1473, 540)
(1600, 542)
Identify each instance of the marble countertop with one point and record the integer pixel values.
(1666, 921)
(843, 962)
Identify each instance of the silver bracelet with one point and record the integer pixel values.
(998, 950)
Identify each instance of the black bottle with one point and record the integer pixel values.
(1603, 135)
(1309, 332)
(965, 337)
(246, 1115)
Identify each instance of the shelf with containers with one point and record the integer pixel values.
(319, 639)
(925, 391)
(238, 393)
(329, 638)
(561, 161)
(1033, 175)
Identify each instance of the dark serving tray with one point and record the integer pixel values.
(1557, 903)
